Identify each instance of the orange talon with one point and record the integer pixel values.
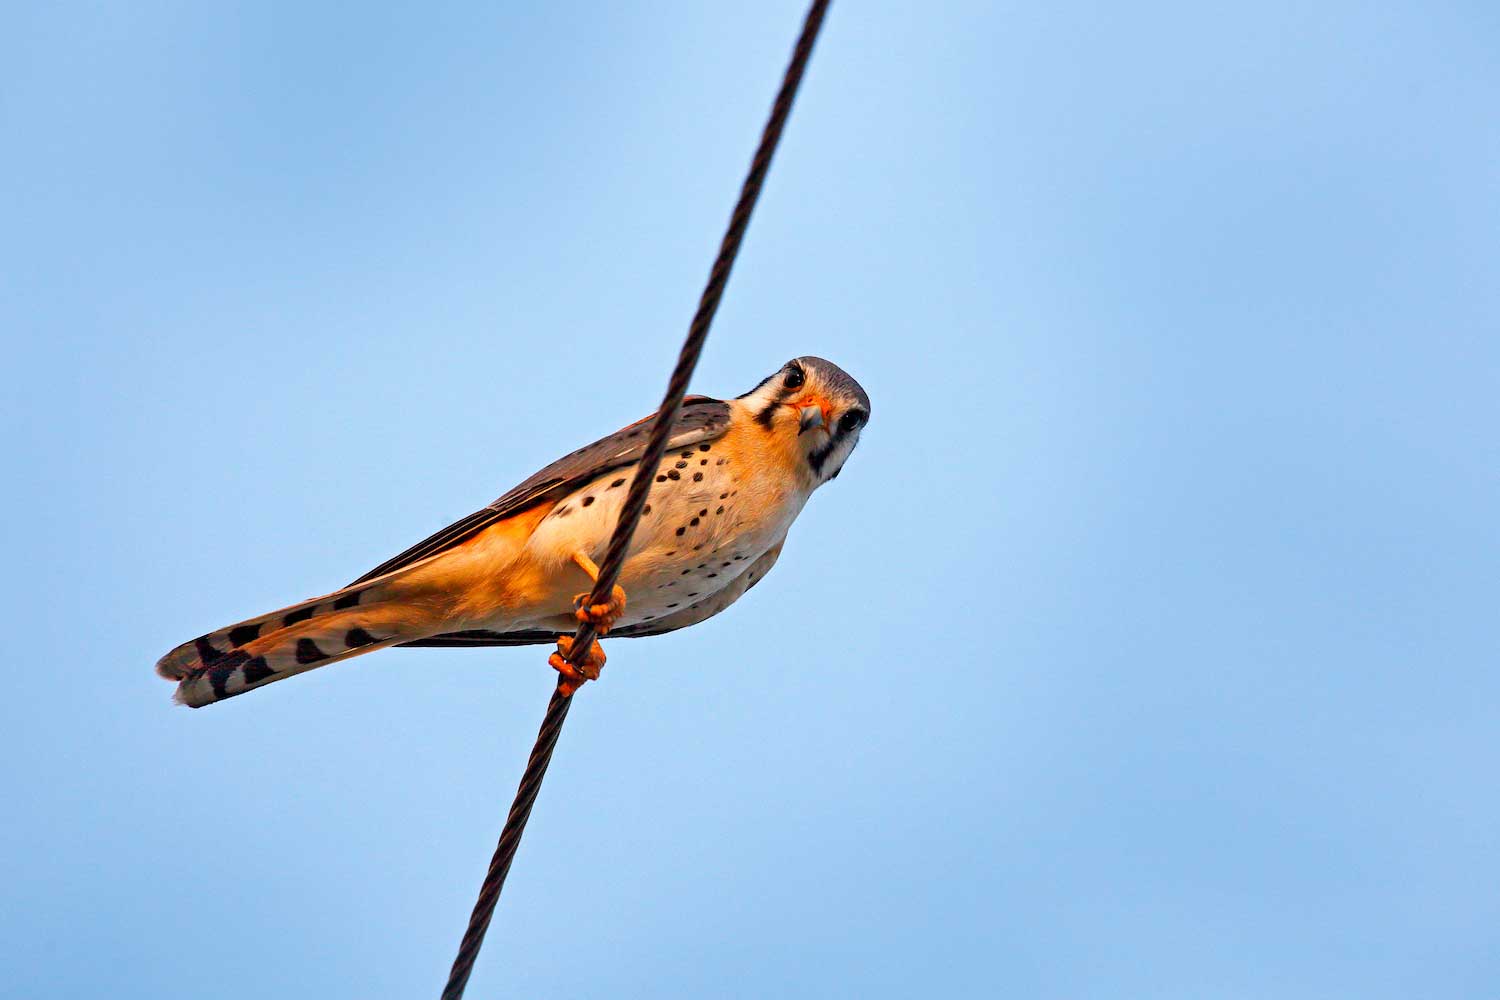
(575, 675)
(601, 616)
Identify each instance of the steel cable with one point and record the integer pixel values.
(635, 502)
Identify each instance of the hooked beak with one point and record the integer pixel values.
(812, 412)
(809, 416)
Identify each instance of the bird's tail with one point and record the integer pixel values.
(358, 619)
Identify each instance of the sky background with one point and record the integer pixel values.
(1146, 646)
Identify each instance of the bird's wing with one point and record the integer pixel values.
(700, 419)
(691, 615)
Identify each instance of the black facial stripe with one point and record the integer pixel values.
(817, 458)
(820, 457)
(767, 414)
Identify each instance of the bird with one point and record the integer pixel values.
(735, 476)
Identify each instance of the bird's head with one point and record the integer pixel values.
(816, 407)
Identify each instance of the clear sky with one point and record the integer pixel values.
(1145, 648)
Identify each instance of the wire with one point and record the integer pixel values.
(635, 502)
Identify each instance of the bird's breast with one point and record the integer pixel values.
(712, 511)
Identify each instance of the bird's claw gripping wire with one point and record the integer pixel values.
(604, 615)
(600, 615)
(575, 675)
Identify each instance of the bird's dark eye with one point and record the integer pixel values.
(794, 378)
(851, 421)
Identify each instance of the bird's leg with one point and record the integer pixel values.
(602, 617)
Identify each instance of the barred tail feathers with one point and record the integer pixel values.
(290, 641)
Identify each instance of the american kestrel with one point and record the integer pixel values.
(736, 474)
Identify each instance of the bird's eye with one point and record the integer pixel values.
(794, 378)
(851, 421)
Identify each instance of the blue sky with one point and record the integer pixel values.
(1145, 647)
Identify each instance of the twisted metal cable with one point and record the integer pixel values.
(635, 501)
(510, 839)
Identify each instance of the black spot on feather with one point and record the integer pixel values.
(257, 670)
(357, 637)
(300, 615)
(308, 652)
(347, 601)
(206, 651)
(241, 634)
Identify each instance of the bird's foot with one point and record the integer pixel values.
(601, 616)
(575, 675)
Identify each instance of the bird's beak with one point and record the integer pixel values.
(812, 412)
(809, 416)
